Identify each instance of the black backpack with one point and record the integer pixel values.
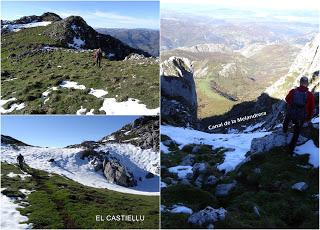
(297, 110)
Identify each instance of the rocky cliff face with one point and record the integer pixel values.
(178, 90)
(142, 132)
(74, 32)
(307, 63)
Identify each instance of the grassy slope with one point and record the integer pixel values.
(58, 202)
(270, 191)
(34, 76)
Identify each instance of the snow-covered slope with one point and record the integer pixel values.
(18, 27)
(239, 144)
(68, 162)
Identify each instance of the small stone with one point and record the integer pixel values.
(300, 186)
(223, 190)
(188, 160)
(257, 170)
(212, 180)
(199, 168)
(256, 211)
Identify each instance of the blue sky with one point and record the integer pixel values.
(60, 131)
(106, 14)
(290, 11)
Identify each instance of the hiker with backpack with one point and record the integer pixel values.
(300, 108)
(98, 57)
(20, 160)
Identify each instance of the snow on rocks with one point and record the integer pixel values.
(68, 163)
(25, 191)
(98, 92)
(309, 148)
(13, 107)
(18, 27)
(10, 216)
(90, 112)
(127, 153)
(48, 91)
(181, 209)
(181, 170)
(71, 84)
(300, 186)
(131, 107)
(77, 43)
(207, 216)
(239, 144)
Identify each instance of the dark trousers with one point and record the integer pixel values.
(98, 62)
(297, 126)
(21, 165)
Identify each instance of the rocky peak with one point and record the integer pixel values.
(7, 140)
(74, 32)
(48, 16)
(142, 132)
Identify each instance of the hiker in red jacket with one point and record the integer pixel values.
(300, 109)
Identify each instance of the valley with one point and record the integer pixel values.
(229, 57)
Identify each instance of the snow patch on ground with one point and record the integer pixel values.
(241, 143)
(10, 217)
(110, 55)
(98, 92)
(22, 176)
(81, 111)
(71, 84)
(17, 27)
(13, 107)
(309, 148)
(131, 107)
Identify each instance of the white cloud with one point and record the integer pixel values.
(251, 4)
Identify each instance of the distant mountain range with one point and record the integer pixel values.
(144, 39)
(235, 34)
